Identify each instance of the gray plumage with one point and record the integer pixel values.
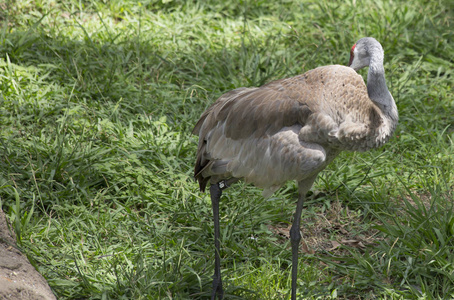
(291, 129)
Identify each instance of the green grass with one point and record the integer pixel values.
(98, 102)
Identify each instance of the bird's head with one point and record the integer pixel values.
(363, 51)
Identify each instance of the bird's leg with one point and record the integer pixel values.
(295, 235)
(215, 193)
(295, 238)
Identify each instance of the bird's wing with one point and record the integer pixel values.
(247, 113)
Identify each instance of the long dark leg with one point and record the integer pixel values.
(216, 193)
(295, 236)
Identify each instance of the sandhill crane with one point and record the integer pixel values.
(291, 129)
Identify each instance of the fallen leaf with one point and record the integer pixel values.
(335, 245)
(353, 243)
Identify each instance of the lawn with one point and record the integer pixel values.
(98, 101)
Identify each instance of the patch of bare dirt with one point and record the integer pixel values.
(18, 278)
(329, 231)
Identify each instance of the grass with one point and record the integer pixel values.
(98, 102)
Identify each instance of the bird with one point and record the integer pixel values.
(291, 129)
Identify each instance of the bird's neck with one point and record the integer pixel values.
(380, 95)
(378, 90)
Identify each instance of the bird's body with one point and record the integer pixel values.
(291, 129)
(288, 129)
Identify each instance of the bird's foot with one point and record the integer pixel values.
(217, 288)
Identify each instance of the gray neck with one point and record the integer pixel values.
(377, 89)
